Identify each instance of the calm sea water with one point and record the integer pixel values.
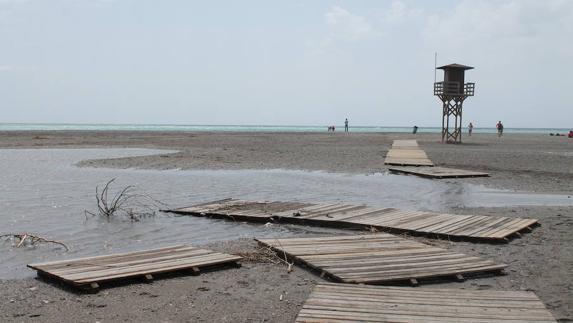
(238, 128)
(42, 192)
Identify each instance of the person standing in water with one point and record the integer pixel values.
(470, 128)
(346, 125)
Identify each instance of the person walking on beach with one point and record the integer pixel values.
(346, 125)
(499, 127)
(470, 128)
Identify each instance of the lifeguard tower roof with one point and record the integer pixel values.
(455, 66)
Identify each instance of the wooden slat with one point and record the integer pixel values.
(378, 258)
(89, 270)
(405, 143)
(437, 172)
(351, 303)
(419, 154)
(408, 162)
(87, 266)
(487, 228)
(143, 253)
(407, 153)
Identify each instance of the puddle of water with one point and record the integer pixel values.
(42, 192)
(477, 196)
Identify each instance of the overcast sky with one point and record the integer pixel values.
(282, 62)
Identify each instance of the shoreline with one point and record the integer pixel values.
(524, 162)
(174, 128)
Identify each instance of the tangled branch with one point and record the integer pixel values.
(285, 260)
(260, 255)
(126, 202)
(31, 239)
(265, 255)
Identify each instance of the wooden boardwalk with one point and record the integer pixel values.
(468, 227)
(338, 303)
(437, 172)
(407, 153)
(378, 258)
(90, 272)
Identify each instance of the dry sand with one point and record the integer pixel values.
(541, 261)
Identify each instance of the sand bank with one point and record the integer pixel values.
(530, 162)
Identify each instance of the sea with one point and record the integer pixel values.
(246, 128)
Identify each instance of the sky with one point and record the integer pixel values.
(283, 62)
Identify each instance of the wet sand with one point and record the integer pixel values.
(531, 162)
(541, 261)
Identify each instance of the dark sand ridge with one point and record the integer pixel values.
(541, 261)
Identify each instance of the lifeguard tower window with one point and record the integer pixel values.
(454, 83)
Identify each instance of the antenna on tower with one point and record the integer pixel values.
(435, 65)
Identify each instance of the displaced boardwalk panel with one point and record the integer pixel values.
(407, 153)
(438, 172)
(348, 303)
(469, 227)
(89, 272)
(378, 258)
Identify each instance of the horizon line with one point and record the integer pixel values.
(238, 125)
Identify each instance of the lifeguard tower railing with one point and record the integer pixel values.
(453, 89)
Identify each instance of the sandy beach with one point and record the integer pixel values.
(540, 261)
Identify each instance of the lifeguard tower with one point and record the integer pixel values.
(453, 91)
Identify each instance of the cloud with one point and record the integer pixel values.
(343, 28)
(347, 25)
(400, 11)
(5, 68)
(506, 19)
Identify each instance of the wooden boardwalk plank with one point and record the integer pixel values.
(83, 272)
(408, 162)
(476, 227)
(437, 172)
(378, 258)
(407, 153)
(405, 143)
(351, 303)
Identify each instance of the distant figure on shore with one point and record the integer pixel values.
(415, 130)
(499, 127)
(331, 128)
(346, 125)
(570, 135)
(470, 128)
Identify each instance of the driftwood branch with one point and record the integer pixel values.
(289, 264)
(265, 254)
(260, 255)
(126, 202)
(32, 239)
